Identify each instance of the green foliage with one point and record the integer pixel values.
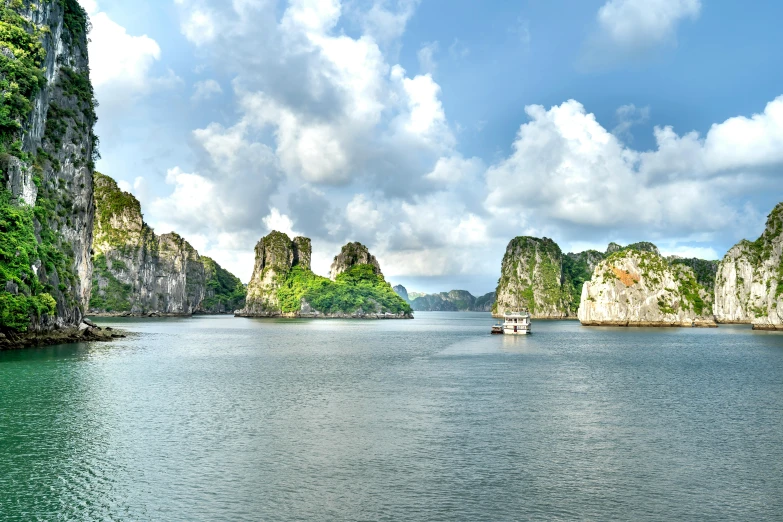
(18, 252)
(576, 271)
(21, 76)
(224, 290)
(705, 271)
(643, 246)
(110, 201)
(115, 297)
(358, 288)
(75, 20)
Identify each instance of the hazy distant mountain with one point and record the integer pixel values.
(454, 301)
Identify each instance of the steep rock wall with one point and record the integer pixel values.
(138, 272)
(351, 255)
(48, 149)
(531, 277)
(640, 288)
(749, 282)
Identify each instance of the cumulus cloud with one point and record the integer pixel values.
(121, 64)
(629, 28)
(578, 177)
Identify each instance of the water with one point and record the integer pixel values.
(217, 418)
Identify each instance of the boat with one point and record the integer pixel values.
(514, 323)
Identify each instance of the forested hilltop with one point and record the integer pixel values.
(138, 272)
(283, 284)
(47, 154)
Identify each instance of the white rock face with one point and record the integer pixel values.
(749, 285)
(633, 288)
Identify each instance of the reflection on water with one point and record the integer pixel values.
(216, 418)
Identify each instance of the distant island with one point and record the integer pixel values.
(283, 284)
(453, 301)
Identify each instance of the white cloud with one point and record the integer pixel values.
(280, 222)
(205, 89)
(737, 144)
(455, 169)
(426, 57)
(199, 26)
(385, 24)
(90, 6)
(630, 29)
(121, 65)
(641, 24)
(568, 171)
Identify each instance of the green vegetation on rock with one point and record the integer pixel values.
(21, 74)
(359, 288)
(19, 250)
(225, 292)
(115, 297)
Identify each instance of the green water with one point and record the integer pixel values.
(216, 418)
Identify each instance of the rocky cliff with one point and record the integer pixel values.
(749, 282)
(224, 293)
(351, 255)
(47, 150)
(453, 301)
(641, 288)
(532, 278)
(276, 255)
(283, 285)
(138, 272)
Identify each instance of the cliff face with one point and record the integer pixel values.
(351, 255)
(749, 282)
(276, 255)
(640, 288)
(47, 150)
(283, 285)
(224, 292)
(138, 272)
(531, 277)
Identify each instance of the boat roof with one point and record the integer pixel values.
(523, 313)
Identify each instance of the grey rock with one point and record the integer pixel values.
(351, 255)
(11, 287)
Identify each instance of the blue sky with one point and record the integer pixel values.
(437, 131)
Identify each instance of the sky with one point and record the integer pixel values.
(436, 131)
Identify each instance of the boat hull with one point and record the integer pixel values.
(519, 331)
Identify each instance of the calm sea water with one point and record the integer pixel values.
(217, 418)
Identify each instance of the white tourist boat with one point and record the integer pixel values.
(514, 323)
